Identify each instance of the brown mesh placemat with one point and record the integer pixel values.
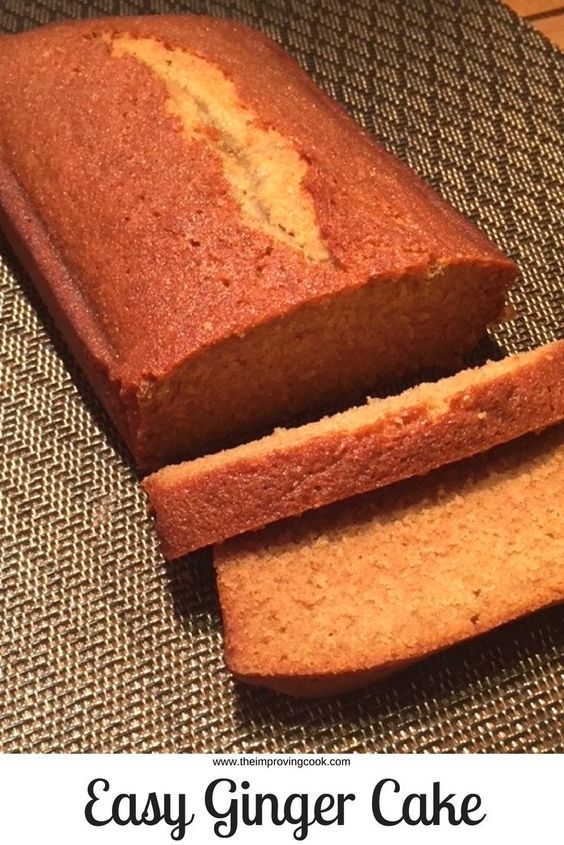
(104, 647)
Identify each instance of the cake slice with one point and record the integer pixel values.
(294, 470)
(346, 594)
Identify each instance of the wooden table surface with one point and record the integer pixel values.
(545, 15)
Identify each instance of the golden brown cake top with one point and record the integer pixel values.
(197, 183)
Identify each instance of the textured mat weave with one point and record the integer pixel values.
(103, 647)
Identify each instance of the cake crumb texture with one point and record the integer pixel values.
(353, 591)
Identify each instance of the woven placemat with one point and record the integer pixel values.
(106, 648)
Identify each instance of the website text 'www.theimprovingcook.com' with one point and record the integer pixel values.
(281, 762)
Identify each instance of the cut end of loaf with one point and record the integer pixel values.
(331, 353)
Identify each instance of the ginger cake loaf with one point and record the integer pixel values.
(220, 244)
